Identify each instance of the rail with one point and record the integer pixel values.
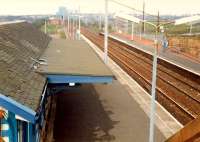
(177, 88)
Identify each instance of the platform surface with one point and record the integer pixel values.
(94, 113)
(72, 57)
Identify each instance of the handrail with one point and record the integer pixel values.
(189, 133)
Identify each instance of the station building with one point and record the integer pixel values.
(30, 64)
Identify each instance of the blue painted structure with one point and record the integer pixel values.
(17, 108)
(33, 121)
(11, 133)
(78, 79)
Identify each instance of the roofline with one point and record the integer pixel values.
(59, 78)
(17, 108)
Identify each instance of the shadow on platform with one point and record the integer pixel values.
(80, 117)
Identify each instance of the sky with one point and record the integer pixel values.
(31, 7)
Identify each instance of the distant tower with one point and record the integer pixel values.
(62, 12)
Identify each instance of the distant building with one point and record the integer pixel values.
(62, 12)
(55, 21)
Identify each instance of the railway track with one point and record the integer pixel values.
(178, 90)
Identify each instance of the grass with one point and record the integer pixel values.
(51, 29)
(55, 29)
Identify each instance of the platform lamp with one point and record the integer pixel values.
(153, 89)
(191, 19)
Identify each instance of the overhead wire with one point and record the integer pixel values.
(132, 8)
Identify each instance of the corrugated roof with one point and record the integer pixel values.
(19, 42)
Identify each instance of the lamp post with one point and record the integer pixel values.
(100, 22)
(132, 30)
(45, 26)
(153, 88)
(154, 73)
(73, 26)
(79, 24)
(68, 24)
(153, 91)
(106, 27)
(106, 33)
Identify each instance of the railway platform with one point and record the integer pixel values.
(116, 111)
(99, 112)
(181, 61)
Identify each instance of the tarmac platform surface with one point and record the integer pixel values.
(101, 112)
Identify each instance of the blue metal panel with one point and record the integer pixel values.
(17, 108)
(5, 133)
(25, 131)
(13, 126)
(31, 133)
(11, 133)
(78, 79)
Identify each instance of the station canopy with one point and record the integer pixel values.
(73, 61)
(128, 17)
(189, 20)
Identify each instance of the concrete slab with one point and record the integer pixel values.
(94, 113)
(72, 57)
